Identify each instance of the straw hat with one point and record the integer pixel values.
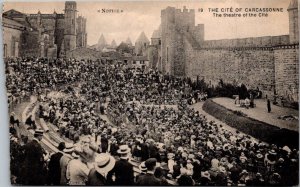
(272, 152)
(123, 149)
(104, 163)
(69, 148)
(143, 167)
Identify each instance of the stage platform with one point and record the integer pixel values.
(260, 113)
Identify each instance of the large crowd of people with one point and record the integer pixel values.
(148, 122)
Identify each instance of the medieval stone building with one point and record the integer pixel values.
(43, 35)
(141, 45)
(269, 63)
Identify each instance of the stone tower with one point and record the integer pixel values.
(81, 32)
(175, 24)
(70, 25)
(141, 44)
(293, 22)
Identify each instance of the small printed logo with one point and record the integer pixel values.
(109, 10)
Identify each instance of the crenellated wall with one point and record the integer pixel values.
(269, 63)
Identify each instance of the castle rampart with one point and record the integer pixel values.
(269, 63)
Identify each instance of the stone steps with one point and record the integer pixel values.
(51, 139)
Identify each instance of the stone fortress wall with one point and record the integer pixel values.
(270, 63)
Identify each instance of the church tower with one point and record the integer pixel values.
(293, 22)
(70, 25)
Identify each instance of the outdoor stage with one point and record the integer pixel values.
(260, 113)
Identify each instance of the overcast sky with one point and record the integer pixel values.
(145, 16)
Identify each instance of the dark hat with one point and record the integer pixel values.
(61, 146)
(150, 163)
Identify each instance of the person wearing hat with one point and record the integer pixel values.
(161, 174)
(171, 162)
(270, 160)
(149, 179)
(258, 180)
(64, 161)
(205, 179)
(14, 120)
(122, 170)
(54, 165)
(143, 170)
(104, 142)
(33, 167)
(103, 164)
(259, 163)
(30, 122)
(78, 169)
(221, 178)
(144, 151)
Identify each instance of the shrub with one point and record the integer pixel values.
(239, 113)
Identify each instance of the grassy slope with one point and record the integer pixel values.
(255, 128)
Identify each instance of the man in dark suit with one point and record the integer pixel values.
(33, 168)
(149, 179)
(122, 170)
(54, 165)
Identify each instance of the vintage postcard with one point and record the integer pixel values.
(152, 93)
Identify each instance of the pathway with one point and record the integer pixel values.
(260, 113)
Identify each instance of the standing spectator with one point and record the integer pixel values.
(144, 151)
(64, 161)
(103, 164)
(54, 165)
(269, 105)
(13, 119)
(104, 143)
(34, 163)
(149, 179)
(160, 173)
(122, 170)
(78, 169)
(143, 170)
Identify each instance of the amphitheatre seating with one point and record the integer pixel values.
(44, 125)
(30, 110)
(51, 139)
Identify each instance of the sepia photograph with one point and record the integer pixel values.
(152, 93)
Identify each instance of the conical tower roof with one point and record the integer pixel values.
(113, 44)
(142, 38)
(293, 4)
(128, 41)
(101, 41)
